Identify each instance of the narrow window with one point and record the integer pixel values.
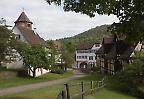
(17, 36)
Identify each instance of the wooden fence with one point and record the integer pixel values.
(80, 89)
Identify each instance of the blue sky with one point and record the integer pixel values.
(51, 21)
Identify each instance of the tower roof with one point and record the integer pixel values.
(23, 18)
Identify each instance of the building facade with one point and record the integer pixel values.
(85, 55)
(23, 30)
(114, 54)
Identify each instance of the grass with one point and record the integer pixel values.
(43, 93)
(16, 81)
(94, 76)
(52, 91)
(108, 94)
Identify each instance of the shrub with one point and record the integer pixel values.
(22, 73)
(58, 71)
(129, 80)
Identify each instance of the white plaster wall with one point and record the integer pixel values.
(17, 31)
(39, 72)
(96, 48)
(79, 61)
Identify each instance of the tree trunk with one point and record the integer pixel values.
(34, 73)
(65, 68)
(0, 62)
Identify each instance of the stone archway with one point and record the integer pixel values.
(83, 65)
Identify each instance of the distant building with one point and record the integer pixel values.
(85, 55)
(114, 53)
(23, 31)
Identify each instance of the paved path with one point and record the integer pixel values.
(22, 88)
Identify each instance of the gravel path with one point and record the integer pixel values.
(12, 90)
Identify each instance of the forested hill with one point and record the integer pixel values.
(69, 45)
(93, 35)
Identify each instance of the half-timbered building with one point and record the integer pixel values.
(113, 54)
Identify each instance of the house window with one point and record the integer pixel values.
(85, 57)
(17, 36)
(91, 58)
(97, 45)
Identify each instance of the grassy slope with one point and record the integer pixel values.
(8, 82)
(52, 91)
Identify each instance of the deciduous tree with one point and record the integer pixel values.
(34, 56)
(6, 42)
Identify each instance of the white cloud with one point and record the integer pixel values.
(51, 21)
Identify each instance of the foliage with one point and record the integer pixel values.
(67, 54)
(6, 39)
(93, 35)
(58, 71)
(52, 54)
(33, 56)
(129, 13)
(69, 44)
(63, 53)
(129, 80)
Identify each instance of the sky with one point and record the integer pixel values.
(50, 21)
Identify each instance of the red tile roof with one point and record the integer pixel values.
(113, 48)
(85, 46)
(23, 18)
(31, 37)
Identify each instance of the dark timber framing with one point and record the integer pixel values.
(113, 54)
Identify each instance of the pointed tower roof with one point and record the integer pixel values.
(23, 18)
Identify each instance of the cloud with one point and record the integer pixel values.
(51, 21)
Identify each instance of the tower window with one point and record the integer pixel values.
(29, 25)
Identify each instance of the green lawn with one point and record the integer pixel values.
(16, 81)
(51, 92)
(108, 94)
(94, 76)
(43, 93)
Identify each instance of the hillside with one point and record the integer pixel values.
(93, 35)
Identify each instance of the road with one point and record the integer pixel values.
(17, 89)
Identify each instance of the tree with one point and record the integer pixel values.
(52, 53)
(129, 12)
(68, 56)
(131, 79)
(33, 56)
(6, 42)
